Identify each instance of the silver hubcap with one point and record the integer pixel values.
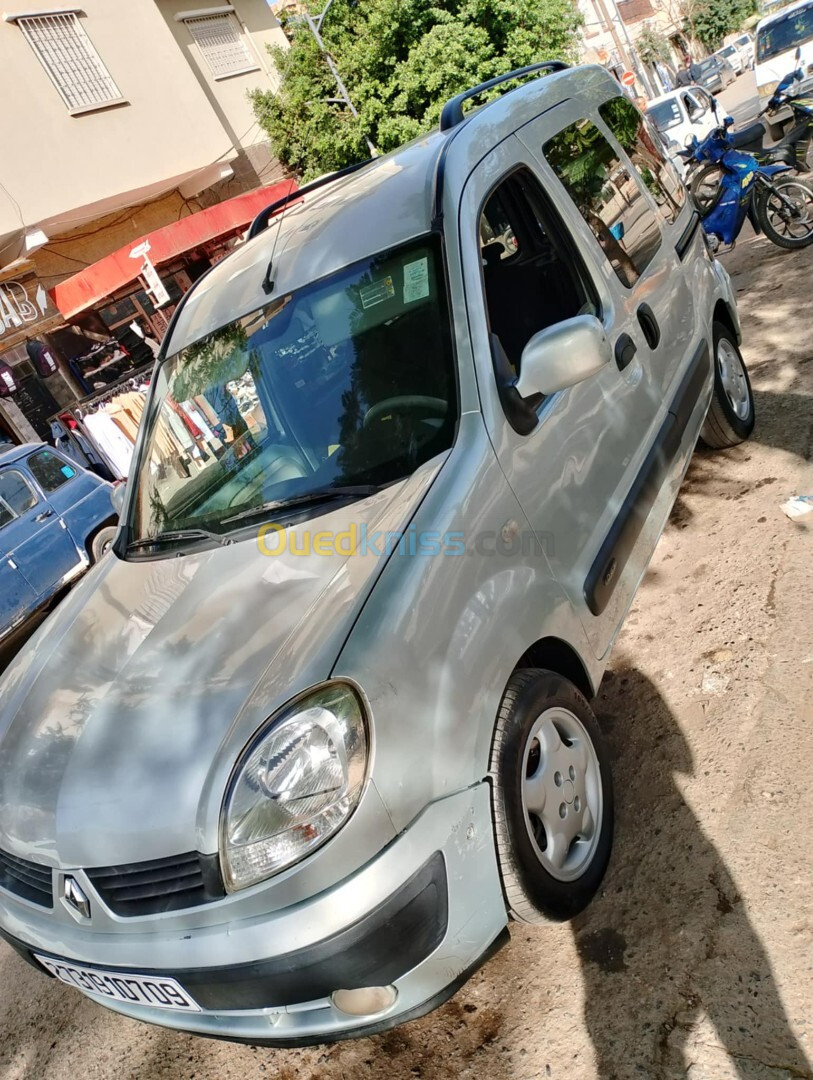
(561, 794)
(791, 215)
(732, 376)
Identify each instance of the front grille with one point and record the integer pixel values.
(161, 885)
(29, 880)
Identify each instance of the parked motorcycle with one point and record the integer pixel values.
(779, 205)
(791, 150)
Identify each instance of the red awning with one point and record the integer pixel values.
(115, 271)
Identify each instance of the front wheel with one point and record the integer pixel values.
(552, 797)
(731, 415)
(102, 542)
(706, 187)
(785, 212)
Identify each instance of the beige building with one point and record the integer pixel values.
(611, 29)
(120, 117)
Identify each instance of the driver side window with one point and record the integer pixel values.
(531, 276)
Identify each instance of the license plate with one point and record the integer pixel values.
(154, 990)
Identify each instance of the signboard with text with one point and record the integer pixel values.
(26, 310)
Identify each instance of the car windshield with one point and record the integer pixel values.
(338, 388)
(706, 67)
(742, 41)
(665, 114)
(784, 34)
(729, 50)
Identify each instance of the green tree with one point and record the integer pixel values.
(652, 46)
(712, 19)
(401, 60)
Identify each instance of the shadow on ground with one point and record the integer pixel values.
(670, 941)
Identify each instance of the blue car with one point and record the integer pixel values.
(55, 520)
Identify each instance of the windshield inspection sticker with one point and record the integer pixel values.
(416, 280)
(376, 293)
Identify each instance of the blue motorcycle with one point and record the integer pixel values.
(779, 205)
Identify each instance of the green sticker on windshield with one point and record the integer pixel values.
(376, 293)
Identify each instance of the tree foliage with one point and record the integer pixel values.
(652, 46)
(400, 60)
(711, 20)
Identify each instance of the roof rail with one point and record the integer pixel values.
(260, 222)
(453, 114)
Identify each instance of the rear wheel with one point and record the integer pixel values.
(731, 415)
(102, 542)
(785, 212)
(552, 797)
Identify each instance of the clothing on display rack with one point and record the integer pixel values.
(186, 438)
(68, 438)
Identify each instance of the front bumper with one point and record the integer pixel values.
(421, 917)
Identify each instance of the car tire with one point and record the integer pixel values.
(552, 798)
(731, 416)
(101, 542)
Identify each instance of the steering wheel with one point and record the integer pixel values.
(407, 403)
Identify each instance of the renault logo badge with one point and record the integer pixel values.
(76, 898)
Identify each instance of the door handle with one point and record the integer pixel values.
(44, 515)
(625, 350)
(649, 325)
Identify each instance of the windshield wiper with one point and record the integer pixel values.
(308, 498)
(174, 536)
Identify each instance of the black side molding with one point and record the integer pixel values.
(688, 234)
(620, 540)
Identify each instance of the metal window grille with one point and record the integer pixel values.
(67, 54)
(222, 44)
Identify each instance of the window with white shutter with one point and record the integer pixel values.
(222, 44)
(73, 65)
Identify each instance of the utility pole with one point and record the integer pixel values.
(315, 27)
(626, 52)
(636, 66)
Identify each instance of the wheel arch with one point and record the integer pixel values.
(722, 314)
(557, 655)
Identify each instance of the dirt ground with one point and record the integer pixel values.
(697, 958)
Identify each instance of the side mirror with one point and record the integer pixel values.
(728, 122)
(117, 498)
(798, 54)
(714, 104)
(563, 355)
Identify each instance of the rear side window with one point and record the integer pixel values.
(16, 497)
(645, 149)
(609, 199)
(49, 470)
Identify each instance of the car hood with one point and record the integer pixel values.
(122, 718)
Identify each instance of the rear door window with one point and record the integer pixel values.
(16, 496)
(49, 470)
(646, 152)
(608, 197)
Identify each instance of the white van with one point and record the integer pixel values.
(777, 39)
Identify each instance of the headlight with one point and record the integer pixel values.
(297, 783)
